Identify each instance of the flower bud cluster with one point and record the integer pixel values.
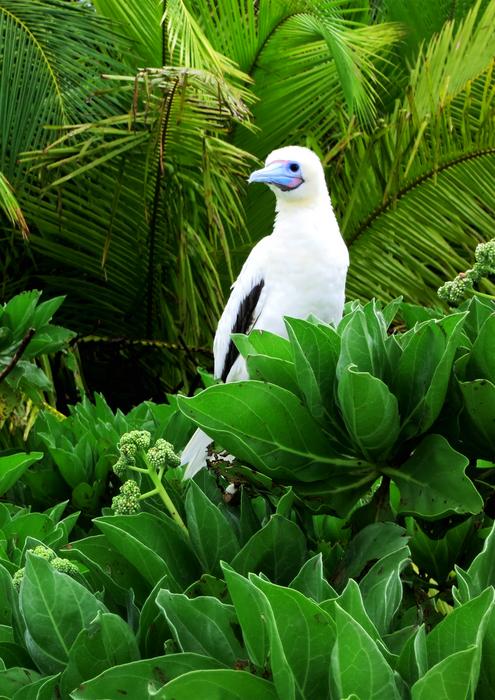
(128, 446)
(485, 257)
(162, 455)
(63, 565)
(454, 291)
(127, 502)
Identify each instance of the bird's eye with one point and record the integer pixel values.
(294, 167)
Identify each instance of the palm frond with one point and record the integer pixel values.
(139, 21)
(421, 19)
(411, 208)
(50, 53)
(10, 206)
(154, 245)
(460, 53)
(428, 235)
(190, 47)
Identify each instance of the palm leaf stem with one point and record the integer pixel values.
(357, 233)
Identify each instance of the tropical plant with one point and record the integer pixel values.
(27, 337)
(152, 256)
(401, 116)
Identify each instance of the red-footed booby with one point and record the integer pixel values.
(298, 270)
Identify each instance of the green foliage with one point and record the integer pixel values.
(26, 335)
(357, 404)
(352, 555)
(81, 449)
(396, 100)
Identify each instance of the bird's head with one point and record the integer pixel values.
(294, 173)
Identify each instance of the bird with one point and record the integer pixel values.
(298, 270)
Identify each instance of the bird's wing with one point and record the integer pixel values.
(243, 308)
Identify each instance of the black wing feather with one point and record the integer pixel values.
(243, 324)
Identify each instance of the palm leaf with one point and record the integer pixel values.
(158, 238)
(412, 209)
(138, 20)
(10, 206)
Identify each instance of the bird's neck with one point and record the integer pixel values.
(306, 219)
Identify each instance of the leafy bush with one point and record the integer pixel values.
(353, 559)
(333, 410)
(27, 336)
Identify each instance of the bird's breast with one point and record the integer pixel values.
(304, 278)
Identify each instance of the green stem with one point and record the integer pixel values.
(138, 469)
(397, 473)
(160, 491)
(482, 294)
(148, 494)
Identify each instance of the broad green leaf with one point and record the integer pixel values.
(249, 522)
(480, 574)
(424, 371)
(108, 641)
(13, 654)
(432, 481)
(357, 664)
(381, 588)
(316, 351)
(340, 492)
(487, 671)
(481, 363)
(12, 467)
(273, 370)
(268, 358)
(45, 311)
(373, 542)
(285, 503)
(207, 585)
(478, 311)
(263, 343)
(55, 608)
(370, 412)
(449, 678)
(9, 608)
(225, 684)
(13, 679)
(397, 640)
(437, 556)
(18, 312)
(250, 606)
(306, 633)
(351, 601)
(413, 659)
(311, 580)
(362, 345)
(37, 525)
(153, 628)
(6, 597)
(265, 425)
(42, 689)
(203, 625)
(142, 678)
(479, 403)
(108, 569)
(154, 546)
(464, 628)
(211, 533)
(48, 340)
(278, 550)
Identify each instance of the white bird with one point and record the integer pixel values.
(298, 270)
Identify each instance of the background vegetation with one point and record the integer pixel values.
(348, 550)
(145, 118)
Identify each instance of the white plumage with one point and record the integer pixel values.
(298, 270)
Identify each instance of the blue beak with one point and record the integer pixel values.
(278, 174)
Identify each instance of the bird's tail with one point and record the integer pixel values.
(194, 453)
